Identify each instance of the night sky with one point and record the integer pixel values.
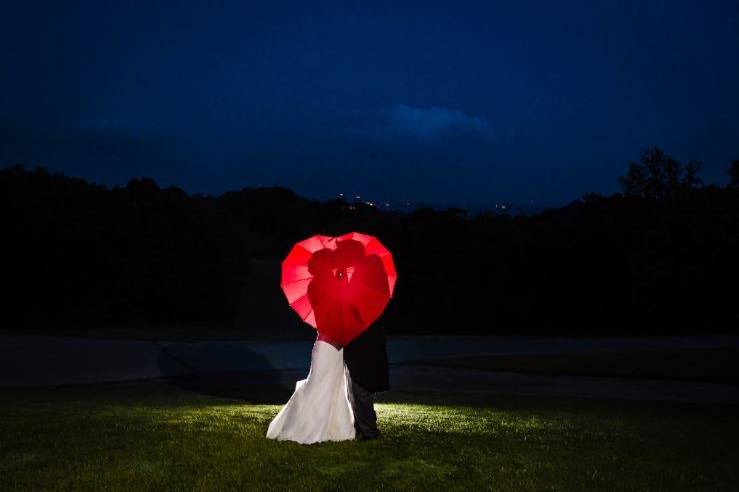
(438, 102)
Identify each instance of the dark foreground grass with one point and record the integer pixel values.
(154, 436)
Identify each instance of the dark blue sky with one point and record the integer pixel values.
(434, 101)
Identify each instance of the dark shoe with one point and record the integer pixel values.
(367, 437)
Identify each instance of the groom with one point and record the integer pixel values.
(366, 358)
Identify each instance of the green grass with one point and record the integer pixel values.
(706, 364)
(154, 436)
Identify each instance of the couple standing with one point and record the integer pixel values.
(336, 401)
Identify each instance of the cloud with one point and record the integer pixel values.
(430, 123)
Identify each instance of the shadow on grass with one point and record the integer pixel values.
(236, 373)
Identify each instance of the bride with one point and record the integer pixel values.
(326, 405)
(319, 409)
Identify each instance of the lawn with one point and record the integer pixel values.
(157, 436)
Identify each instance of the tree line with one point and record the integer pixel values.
(658, 257)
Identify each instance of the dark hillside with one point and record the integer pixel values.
(79, 254)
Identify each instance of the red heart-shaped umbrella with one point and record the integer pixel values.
(339, 285)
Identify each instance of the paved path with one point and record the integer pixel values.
(39, 361)
(634, 389)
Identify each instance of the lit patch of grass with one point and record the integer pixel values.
(159, 437)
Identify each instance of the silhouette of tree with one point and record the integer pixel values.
(592, 198)
(659, 176)
(78, 253)
(734, 174)
(691, 175)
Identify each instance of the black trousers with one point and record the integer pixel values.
(363, 405)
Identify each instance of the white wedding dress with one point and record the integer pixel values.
(319, 409)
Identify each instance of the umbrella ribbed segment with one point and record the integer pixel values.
(339, 285)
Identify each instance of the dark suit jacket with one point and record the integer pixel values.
(366, 358)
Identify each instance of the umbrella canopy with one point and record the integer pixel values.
(339, 285)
